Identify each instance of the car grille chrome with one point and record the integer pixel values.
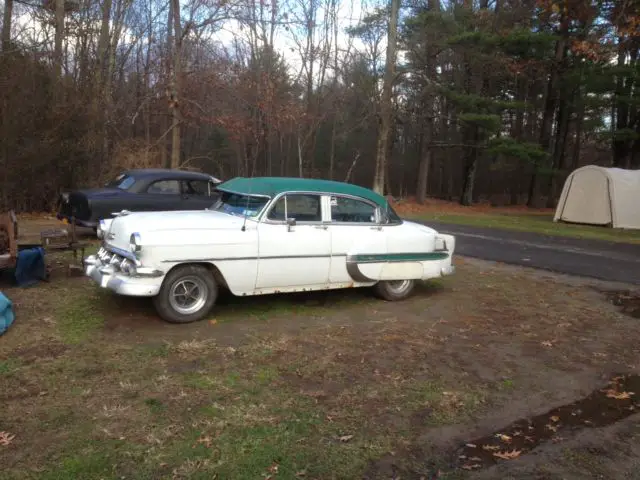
(114, 262)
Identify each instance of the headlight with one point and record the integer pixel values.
(135, 245)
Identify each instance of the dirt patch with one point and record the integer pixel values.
(45, 351)
(602, 407)
(315, 384)
(629, 302)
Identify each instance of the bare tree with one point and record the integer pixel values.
(386, 106)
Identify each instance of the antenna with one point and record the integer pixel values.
(246, 208)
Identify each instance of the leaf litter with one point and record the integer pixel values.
(602, 407)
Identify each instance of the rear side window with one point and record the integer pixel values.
(351, 210)
(167, 187)
(122, 181)
(197, 187)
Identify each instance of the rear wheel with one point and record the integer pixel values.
(188, 293)
(393, 290)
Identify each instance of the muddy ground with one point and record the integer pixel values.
(324, 385)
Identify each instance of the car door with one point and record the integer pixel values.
(294, 256)
(197, 194)
(358, 240)
(160, 195)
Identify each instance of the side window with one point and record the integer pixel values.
(196, 187)
(350, 210)
(168, 187)
(304, 208)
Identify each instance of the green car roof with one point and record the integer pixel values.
(272, 186)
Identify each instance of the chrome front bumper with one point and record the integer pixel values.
(144, 283)
(448, 270)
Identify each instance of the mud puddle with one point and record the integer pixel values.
(629, 302)
(619, 399)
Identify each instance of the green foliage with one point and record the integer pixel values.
(475, 40)
(526, 44)
(510, 147)
(491, 123)
(625, 135)
(469, 102)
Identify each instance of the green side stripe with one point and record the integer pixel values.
(398, 257)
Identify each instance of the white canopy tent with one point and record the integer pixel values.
(601, 196)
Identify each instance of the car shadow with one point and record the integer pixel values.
(139, 311)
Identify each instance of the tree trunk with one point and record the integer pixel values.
(578, 142)
(428, 116)
(6, 25)
(621, 145)
(386, 107)
(57, 50)
(549, 108)
(517, 132)
(470, 168)
(332, 149)
(559, 149)
(176, 93)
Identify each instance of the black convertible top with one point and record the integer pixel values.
(151, 173)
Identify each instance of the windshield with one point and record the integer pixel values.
(122, 181)
(240, 205)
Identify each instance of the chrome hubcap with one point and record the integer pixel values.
(188, 295)
(399, 286)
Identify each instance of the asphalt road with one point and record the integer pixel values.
(615, 262)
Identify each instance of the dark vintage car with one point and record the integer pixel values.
(141, 190)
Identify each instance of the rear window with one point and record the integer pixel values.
(122, 181)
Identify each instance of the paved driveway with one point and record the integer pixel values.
(616, 262)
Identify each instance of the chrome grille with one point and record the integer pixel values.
(117, 262)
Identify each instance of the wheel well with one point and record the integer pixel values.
(217, 275)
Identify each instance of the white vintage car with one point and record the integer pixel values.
(267, 235)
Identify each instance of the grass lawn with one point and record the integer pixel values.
(537, 223)
(330, 385)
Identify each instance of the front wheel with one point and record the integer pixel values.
(187, 294)
(393, 290)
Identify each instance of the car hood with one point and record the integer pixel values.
(176, 220)
(163, 227)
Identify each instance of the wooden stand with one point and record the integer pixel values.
(61, 239)
(9, 224)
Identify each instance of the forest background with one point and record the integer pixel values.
(464, 100)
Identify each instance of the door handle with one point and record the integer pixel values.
(323, 227)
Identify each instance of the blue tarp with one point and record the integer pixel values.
(30, 266)
(6, 313)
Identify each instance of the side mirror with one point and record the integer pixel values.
(291, 222)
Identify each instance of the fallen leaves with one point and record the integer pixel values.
(547, 343)
(207, 441)
(5, 438)
(509, 455)
(618, 395)
(490, 447)
(345, 438)
(272, 471)
(503, 437)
